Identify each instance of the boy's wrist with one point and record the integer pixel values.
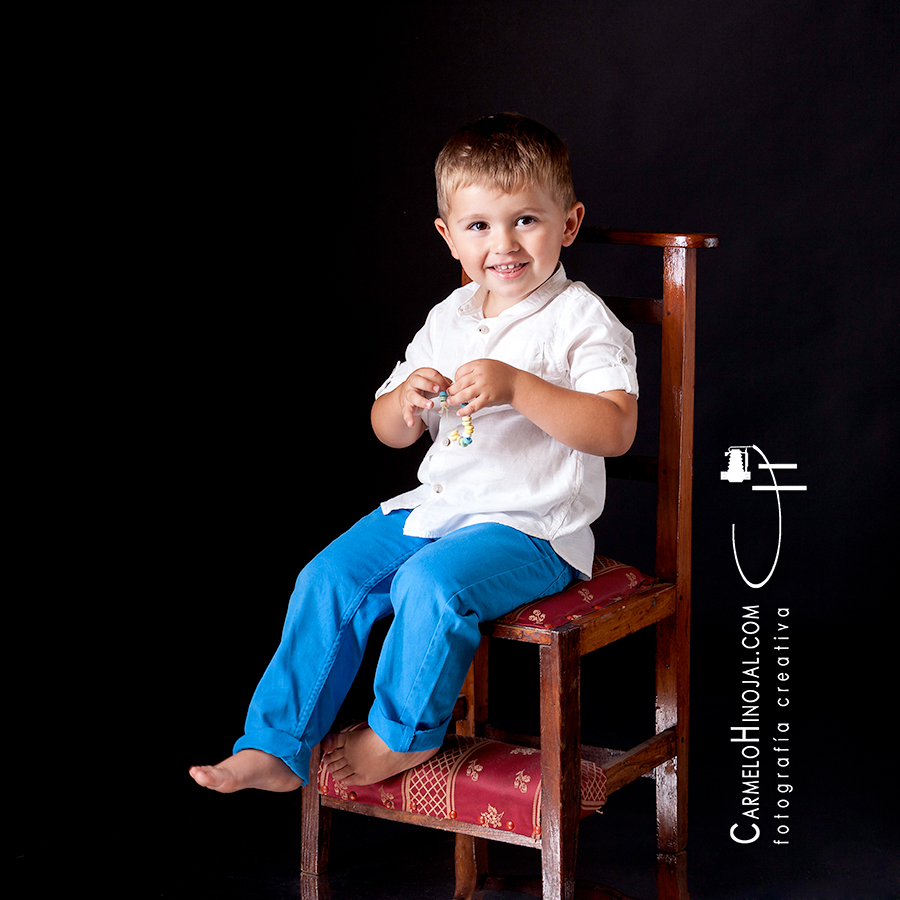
(522, 384)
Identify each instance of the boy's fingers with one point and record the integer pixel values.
(424, 384)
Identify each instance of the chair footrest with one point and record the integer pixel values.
(475, 780)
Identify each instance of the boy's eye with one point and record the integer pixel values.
(478, 226)
(526, 220)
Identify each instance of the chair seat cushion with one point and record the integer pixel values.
(609, 582)
(473, 780)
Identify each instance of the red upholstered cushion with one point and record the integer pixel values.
(474, 780)
(609, 582)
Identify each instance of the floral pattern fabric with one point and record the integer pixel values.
(610, 581)
(474, 780)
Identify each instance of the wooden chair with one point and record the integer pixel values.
(566, 770)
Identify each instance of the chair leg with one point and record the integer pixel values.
(672, 712)
(671, 876)
(471, 852)
(471, 865)
(316, 824)
(560, 763)
(314, 887)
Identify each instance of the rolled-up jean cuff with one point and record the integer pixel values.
(402, 738)
(276, 743)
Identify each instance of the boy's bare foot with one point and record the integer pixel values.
(361, 757)
(247, 769)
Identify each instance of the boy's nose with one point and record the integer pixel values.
(505, 241)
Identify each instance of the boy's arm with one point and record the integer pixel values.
(599, 424)
(394, 418)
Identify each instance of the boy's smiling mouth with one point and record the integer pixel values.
(507, 270)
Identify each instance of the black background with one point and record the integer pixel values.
(280, 177)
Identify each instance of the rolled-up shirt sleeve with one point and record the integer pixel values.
(395, 379)
(602, 356)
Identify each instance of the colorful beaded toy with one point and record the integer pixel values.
(468, 429)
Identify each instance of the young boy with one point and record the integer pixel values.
(540, 385)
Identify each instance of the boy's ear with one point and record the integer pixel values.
(444, 232)
(573, 223)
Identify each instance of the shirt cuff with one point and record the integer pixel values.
(611, 378)
(396, 378)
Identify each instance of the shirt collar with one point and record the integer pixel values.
(551, 288)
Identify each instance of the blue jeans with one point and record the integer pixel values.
(439, 591)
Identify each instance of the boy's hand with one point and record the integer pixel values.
(482, 383)
(419, 391)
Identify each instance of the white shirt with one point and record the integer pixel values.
(513, 473)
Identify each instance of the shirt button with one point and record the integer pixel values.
(438, 488)
(483, 329)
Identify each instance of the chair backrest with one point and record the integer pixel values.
(674, 312)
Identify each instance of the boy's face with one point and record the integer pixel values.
(508, 243)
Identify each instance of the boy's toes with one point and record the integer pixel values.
(333, 742)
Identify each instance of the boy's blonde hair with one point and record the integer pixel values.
(506, 151)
